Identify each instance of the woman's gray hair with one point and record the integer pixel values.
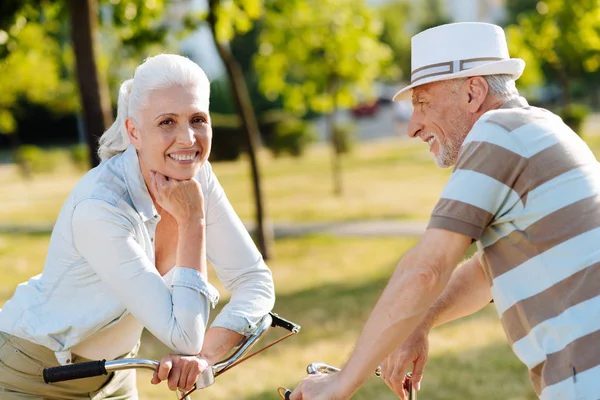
(158, 72)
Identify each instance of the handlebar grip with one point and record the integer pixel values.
(75, 371)
(284, 323)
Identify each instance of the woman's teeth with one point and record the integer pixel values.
(183, 157)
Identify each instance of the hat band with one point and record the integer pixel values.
(449, 67)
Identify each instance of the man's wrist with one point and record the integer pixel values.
(348, 382)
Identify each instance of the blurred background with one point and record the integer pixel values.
(307, 144)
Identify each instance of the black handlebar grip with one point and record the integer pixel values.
(75, 371)
(284, 323)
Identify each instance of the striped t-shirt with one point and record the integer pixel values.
(527, 189)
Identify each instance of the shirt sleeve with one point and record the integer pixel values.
(486, 183)
(105, 236)
(237, 262)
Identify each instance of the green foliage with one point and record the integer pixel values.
(236, 17)
(395, 16)
(291, 135)
(80, 156)
(574, 116)
(33, 160)
(565, 35)
(321, 54)
(32, 63)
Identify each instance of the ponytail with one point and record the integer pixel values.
(115, 140)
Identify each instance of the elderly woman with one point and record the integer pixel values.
(129, 252)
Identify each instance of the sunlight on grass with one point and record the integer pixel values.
(387, 179)
(329, 286)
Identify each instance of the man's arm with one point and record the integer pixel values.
(419, 279)
(467, 292)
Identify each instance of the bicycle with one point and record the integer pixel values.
(322, 368)
(206, 378)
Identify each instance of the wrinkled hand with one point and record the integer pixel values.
(319, 387)
(182, 199)
(180, 371)
(415, 350)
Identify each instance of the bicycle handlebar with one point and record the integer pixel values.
(103, 367)
(322, 368)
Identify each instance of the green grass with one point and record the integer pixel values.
(391, 179)
(328, 285)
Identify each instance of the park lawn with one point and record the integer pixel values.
(390, 179)
(328, 285)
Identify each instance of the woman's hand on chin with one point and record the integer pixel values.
(183, 199)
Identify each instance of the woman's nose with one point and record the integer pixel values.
(186, 136)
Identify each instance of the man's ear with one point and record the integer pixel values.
(132, 132)
(477, 91)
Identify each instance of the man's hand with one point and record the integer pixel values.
(320, 387)
(180, 371)
(414, 350)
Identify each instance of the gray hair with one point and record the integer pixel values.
(501, 86)
(158, 72)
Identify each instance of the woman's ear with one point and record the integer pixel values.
(133, 133)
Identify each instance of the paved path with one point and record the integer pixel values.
(282, 230)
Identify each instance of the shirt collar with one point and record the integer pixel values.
(136, 186)
(515, 102)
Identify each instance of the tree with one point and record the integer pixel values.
(564, 35)
(135, 23)
(396, 16)
(93, 90)
(321, 55)
(31, 60)
(224, 20)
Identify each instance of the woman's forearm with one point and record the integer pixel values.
(191, 246)
(218, 342)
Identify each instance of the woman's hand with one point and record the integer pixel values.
(181, 371)
(182, 199)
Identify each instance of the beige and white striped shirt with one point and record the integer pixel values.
(527, 189)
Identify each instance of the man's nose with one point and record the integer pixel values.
(415, 126)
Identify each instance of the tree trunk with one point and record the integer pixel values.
(336, 154)
(97, 112)
(336, 157)
(241, 98)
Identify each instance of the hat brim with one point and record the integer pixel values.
(513, 67)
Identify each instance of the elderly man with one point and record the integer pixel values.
(526, 188)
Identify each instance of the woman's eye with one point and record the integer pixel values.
(199, 120)
(167, 122)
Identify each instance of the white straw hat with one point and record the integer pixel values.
(459, 50)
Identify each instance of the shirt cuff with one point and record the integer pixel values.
(235, 322)
(192, 279)
(456, 226)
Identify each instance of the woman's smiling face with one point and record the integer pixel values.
(172, 133)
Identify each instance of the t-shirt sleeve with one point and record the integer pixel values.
(486, 183)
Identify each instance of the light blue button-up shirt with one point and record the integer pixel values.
(100, 267)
